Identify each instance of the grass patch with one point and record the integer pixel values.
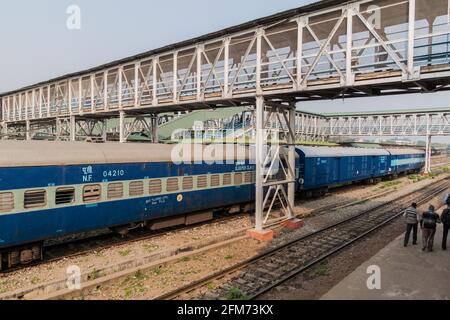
(445, 169)
(158, 271)
(134, 284)
(185, 259)
(229, 257)
(236, 294)
(320, 270)
(389, 184)
(211, 286)
(94, 274)
(2, 287)
(125, 253)
(150, 247)
(35, 280)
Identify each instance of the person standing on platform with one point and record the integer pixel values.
(428, 223)
(412, 219)
(445, 218)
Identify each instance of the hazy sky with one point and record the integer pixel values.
(36, 45)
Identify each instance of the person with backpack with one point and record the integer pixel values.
(412, 219)
(445, 218)
(428, 224)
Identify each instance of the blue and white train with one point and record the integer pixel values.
(54, 189)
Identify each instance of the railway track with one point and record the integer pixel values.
(256, 276)
(81, 246)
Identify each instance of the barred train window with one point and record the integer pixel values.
(115, 190)
(172, 184)
(188, 183)
(248, 177)
(215, 180)
(92, 193)
(238, 179)
(155, 186)
(64, 196)
(202, 182)
(136, 188)
(6, 201)
(35, 199)
(227, 179)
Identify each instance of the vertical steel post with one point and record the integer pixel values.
(259, 159)
(411, 36)
(226, 67)
(349, 47)
(291, 158)
(428, 154)
(28, 130)
(122, 127)
(5, 130)
(72, 128)
(154, 123)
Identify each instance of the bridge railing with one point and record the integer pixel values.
(366, 43)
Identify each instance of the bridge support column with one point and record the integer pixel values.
(5, 131)
(122, 137)
(428, 155)
(154, 124)
(275, 168)
(28, 130)
(73, 128)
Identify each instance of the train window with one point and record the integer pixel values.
(248, 177)
(115, 190)
(202, 182)
(136, 188)
(35, 199)
(227, 179)
(6, 201)
(92, 193)
(64, 196)
(215, 180)
(238, 179)
(188, 183)
(172, 184)
(155, 186)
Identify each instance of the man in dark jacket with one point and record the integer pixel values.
(428, 224)
(445, 218)
(412, 219)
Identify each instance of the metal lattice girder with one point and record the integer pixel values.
(401, 124)
(364, 48)
(275, 168)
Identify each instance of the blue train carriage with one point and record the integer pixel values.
(52, 189)
(406, 161)
(323, 167)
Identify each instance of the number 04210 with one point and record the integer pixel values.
(113, 173)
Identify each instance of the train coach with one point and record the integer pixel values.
(405, 161)
(52, 189)
(322, 167)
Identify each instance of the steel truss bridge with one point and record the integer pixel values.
(329, 49)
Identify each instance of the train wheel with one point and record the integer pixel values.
(21, 256)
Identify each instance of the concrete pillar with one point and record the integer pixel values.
(122, 137)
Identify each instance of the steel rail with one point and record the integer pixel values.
(441, 186)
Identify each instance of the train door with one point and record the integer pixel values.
(335, 170)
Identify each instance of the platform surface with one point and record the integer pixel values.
(406, 274)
